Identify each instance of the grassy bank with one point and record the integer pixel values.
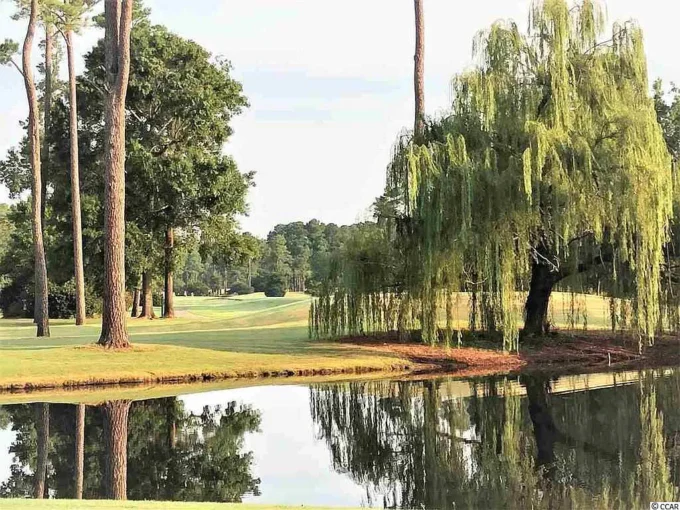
(29, 504)
(253, 336)
(212, 338)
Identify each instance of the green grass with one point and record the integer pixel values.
(62, 504)
(211, 338)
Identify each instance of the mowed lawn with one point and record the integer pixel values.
(51, 504)
(211, 337)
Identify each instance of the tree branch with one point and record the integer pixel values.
(17, 67)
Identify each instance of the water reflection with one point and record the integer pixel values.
(414, 445)
(139, 450)
(527, 442)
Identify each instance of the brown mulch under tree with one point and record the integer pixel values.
(567, 351)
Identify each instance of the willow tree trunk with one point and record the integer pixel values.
(47, 115)
(147, 296)
(169, 304)
(80, 450)
(419, 71)
(115, 436)
(41, 314)
(118, 22)
(75, 184)
(43, 440)
(543, 280)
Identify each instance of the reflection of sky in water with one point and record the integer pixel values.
(6, 439)
(288, 452)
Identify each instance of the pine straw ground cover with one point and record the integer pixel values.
(564, 352)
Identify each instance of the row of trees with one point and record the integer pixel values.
(154, 110)
(550, 170)
(297, 256)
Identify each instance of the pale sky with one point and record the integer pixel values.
(330, 85)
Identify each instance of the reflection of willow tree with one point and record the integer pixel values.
(653, 475)
(414, 445)
(172, 454)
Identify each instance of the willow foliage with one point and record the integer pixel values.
(551, 155)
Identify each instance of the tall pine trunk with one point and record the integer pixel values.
(80, 449)
(41, 314)
(47, 115)
(75, 184)
(169, 304)
(115, 436)
(118, 22)
(419, 71)
(147, 296)
(43, 440)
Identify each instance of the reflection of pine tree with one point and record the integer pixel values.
(171, 454)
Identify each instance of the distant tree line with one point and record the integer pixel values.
(294, 257)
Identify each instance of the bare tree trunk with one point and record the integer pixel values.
(135, 303)
(43, 433)
(41, 314)
(80, 449)
(115, 435)
(118, 16)
(419, 74)
(147, 296)
(47, 116)
(169, 305)
(75, 184)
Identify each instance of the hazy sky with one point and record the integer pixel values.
(330, 85)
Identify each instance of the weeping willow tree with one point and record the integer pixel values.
(550, 165)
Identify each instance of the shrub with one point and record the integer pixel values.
(14, 310)
(62, 301)
(241, 288)
(197, 289)
(275, 286)
(17, 302)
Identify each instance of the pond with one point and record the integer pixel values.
(528, 441)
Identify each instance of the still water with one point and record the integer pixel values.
(598, 441)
